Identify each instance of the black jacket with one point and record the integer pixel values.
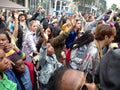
(109, 70)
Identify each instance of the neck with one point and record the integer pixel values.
(100, 43)
(22, 21)
(1, 75)
(75, 29)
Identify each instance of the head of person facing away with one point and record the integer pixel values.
(105, 32)
(19, 66)
(85, 39)
(69, 79)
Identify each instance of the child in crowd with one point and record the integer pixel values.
(22, 72)
(5, 44)
(5, 64)
(48, 62)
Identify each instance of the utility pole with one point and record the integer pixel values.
(60, 5)
(50, 10)
(55, 7)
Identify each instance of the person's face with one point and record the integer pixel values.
(50, 49)
(3, 41)
(4, 64)
(34, 27)
(92, 18)
(55, 24)
(108, 40)
(78, 25)
(48, 31)
(22, 18)
(19, 66)
(75, 80)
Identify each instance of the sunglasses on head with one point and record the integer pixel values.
(88, 79)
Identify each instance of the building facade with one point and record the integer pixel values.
(91, 6)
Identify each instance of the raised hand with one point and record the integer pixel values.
(73, 22)
(39, 9)
(3, 10)
(16, 14)
(45, 37)
(10, 64)
(10, 46)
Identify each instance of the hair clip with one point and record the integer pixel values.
(111, 25)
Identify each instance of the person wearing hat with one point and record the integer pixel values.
(23, 26)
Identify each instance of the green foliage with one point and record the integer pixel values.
(113, 6)
(75, 0)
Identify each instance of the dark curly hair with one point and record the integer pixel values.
(4, 31)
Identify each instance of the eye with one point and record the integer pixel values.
(3, 39)
(1, 58)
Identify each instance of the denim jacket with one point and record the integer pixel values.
(86, 57)
(48, 65)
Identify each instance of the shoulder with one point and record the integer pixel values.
(92, 48)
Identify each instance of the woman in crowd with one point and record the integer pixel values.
(30, 41)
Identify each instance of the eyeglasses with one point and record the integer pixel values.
(88, 79)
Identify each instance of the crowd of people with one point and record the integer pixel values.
(62, 52)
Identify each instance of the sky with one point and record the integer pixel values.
(110, 2)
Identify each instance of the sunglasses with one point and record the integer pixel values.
(88, 79)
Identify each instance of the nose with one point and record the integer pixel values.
(5, 60)
(35, 27)
(22, 67)
(1, 41)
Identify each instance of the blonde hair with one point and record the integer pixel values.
(31, 22)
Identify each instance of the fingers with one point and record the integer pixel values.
(7, 46)
(12, 63)
(9, 63)
(16, 15)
